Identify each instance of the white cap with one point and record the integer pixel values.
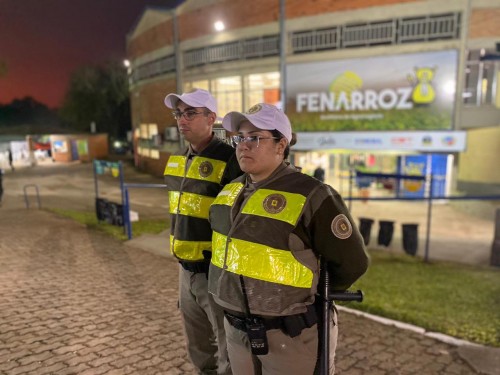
(263, 116)
(196, 98)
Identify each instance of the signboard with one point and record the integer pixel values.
(424, 141)
(401, 92)
(60, 146)
(82, 146)
(104, 167)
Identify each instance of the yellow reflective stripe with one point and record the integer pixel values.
(173, 201)
(191, 204)
(189, 250)
(290, 213)
(176, 165)
(228, 194)
(206, 169)
(218, 249)
(260, 262)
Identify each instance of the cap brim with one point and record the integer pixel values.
(171, 100)
(231, 121)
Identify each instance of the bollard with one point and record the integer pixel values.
(410, 238)
(365, 228)
(495, 247)
(385, 232)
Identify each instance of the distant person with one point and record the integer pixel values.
(1, 185)
(9, 151)
(319, 174)
(194, 176)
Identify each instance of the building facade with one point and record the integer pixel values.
(407, 86)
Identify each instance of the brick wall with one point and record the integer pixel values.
(148, 106)
(199, 22)
(301, 8)
(158, 36)
(484, 23)
(153, 111)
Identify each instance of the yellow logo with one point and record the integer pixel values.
(423, 92)
(256, 108)
(345, 84)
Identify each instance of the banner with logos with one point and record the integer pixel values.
(414, 91)
(423, 141)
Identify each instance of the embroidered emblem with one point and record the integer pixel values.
(274, 203)
(341, 227)
(206, 168)
(256, 108)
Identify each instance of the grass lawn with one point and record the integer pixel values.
(450, 298)
(138, 228)
(457, 300)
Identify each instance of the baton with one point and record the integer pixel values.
(328, 302)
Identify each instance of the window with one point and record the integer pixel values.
(149, 141)
(481, 78)
(228, 91)
(262, 88)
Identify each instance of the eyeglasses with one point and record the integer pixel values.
(188, 115)
(254, 140)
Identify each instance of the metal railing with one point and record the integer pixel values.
(391, 31)
(429, 179)
(26, 199)
(126, 203)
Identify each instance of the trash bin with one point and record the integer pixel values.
(385, 232)
(410, 238)
(365, 227)
(109, 212)
(495, 247)
(101, 209)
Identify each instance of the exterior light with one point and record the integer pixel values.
(449, 87)
(219, 26)
(126, 63)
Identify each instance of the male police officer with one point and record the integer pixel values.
(194, 177)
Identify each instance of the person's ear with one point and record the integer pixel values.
(282, 146)
(212, 116)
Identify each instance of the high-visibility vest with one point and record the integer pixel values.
(255, 244)
(191, 192)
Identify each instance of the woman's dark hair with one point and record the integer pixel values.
(278, 135)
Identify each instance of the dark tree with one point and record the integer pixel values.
(98, 94)
(28, 112)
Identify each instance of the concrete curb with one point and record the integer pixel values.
(483, 359)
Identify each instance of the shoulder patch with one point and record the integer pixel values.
(341, 227)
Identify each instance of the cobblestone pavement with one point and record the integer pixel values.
(75, 301)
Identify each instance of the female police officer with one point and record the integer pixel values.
(270, 226)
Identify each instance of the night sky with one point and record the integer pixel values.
(43, 41)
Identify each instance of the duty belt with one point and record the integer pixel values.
(195, 267)
(291, 325)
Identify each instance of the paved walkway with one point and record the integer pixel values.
(75, 301)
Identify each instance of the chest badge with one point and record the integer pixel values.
(341, 227)
(205, 169)
(274, 203)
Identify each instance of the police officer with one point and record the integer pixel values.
(270, 226)
(194, 177)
